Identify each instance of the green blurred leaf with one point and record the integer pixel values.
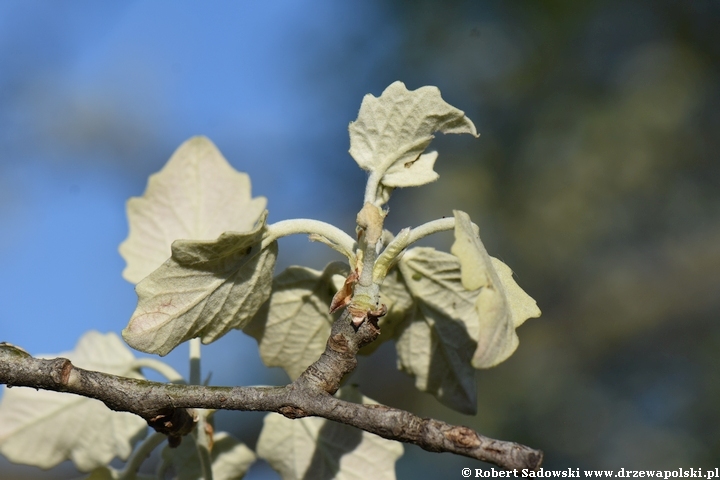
(204, 290)
(312, 447)
(501, 305)
(293, 328)
(392, 131)
(197, 195)
(43, 428)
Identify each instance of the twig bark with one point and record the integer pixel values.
(168, 407)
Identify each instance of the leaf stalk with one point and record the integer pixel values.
(338, 240)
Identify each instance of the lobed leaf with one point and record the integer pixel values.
(392, 132)
(313, 447)
(43, 428)
(231, 459)
(501, 305)
(293, 328)
(196, 195)
(436, 342)
(204, 290)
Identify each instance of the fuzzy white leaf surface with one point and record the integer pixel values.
(412, 173)
(293, 328)
(197, 195)
(436, 342)
(231, 459)
(501, 305)
(204, 290)
(313, 447)
(43, 428)
(392, 132)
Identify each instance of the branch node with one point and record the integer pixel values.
(338, 343)
(463, 437)
(60, 371)
(534, 459)
(370, 331)
(174, 423)
(292, 412)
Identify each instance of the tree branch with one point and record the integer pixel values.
(168, 407)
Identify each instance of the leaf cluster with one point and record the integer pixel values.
(202, 254)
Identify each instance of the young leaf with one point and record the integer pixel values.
(412, 174)
(392, 131)
(312, 447)
(196, 195)
(231, 459)
(44, 428)
(436, 342)
(502, 305)
(204, 290)
(294, 327)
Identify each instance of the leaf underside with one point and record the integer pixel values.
(293, 327)
(501, 305)
(197, 195)
(437, 339)
(313, 447)
(44, 428)
(204, 290)
(231, 459)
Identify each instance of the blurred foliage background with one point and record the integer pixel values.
(596, 178)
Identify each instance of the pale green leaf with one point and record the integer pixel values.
(436, 342)
(412, 174)
(231, 459)
(501, 305)
(204, 290)
(392, 131)
(313, 447)
(44, 428)
(197, 195)
(293, 328)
